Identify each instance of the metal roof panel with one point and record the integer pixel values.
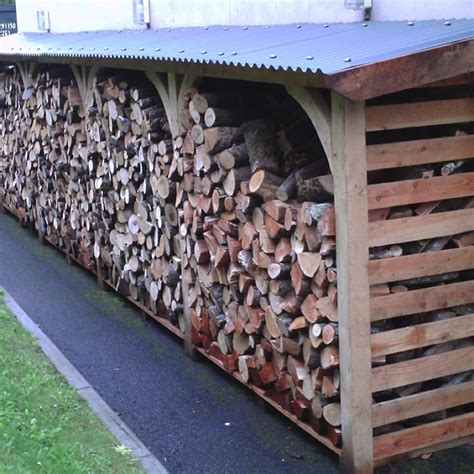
(330, 48)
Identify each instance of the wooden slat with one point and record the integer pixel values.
(424, 435)
(423, 368)
(422, 403)
(416, 453)
(421, 335)
(419, 114)
(408, 229)
(422, 264)
(413, 191)
(417, 301)
(418, 152)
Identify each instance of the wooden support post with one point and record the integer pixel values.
(100, 276)
(350, 180)
(41, 230)
(171, 88)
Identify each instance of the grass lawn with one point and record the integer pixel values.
(45, 426)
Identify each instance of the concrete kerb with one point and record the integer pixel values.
(117, 427)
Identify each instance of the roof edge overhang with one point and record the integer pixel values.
(412, 70)
(357, 83)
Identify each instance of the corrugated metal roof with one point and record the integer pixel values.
(330, 48)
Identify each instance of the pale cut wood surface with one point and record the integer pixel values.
(412, 191)
(421, 335)
(423, 435)
(418, 114)
(418, 152)
(421, 369)
(417, 301)
(419, 404)
(419, 265)
(409, 229)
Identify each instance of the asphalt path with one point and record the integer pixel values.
(192, 416)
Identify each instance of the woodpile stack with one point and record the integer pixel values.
(97, 180)
(240, 208)
(259, 225)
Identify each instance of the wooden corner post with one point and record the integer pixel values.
(350, 178)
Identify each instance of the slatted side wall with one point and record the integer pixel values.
(420, 161)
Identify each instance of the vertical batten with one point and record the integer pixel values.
(350, 178)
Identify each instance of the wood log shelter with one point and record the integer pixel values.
(207, 185)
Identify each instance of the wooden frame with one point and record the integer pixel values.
(350, 180)
(342, 129)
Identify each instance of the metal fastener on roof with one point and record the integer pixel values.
(347, 60)
(124, 49)
(365, 24)
(220, 53)
(181, 51)
(273, 56)
(447, 23)
(245, 28)
(325, 25)
(298, 26)
(106, 48)
(234, 53)
(141, 49)
(226, 29)
(203, 52)
(206, 28)
(309, 58)
(157, 49)
(410, 23)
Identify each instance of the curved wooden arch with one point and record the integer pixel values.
(319, 113)
(85, 76)
(27, 70)
(171, 88)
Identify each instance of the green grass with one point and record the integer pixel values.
(45, 426)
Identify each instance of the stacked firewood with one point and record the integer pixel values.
(259, 225)
(240, 208)
(18, 177)
(135, 237)
(94, 179)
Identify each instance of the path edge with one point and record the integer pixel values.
(111, 420)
